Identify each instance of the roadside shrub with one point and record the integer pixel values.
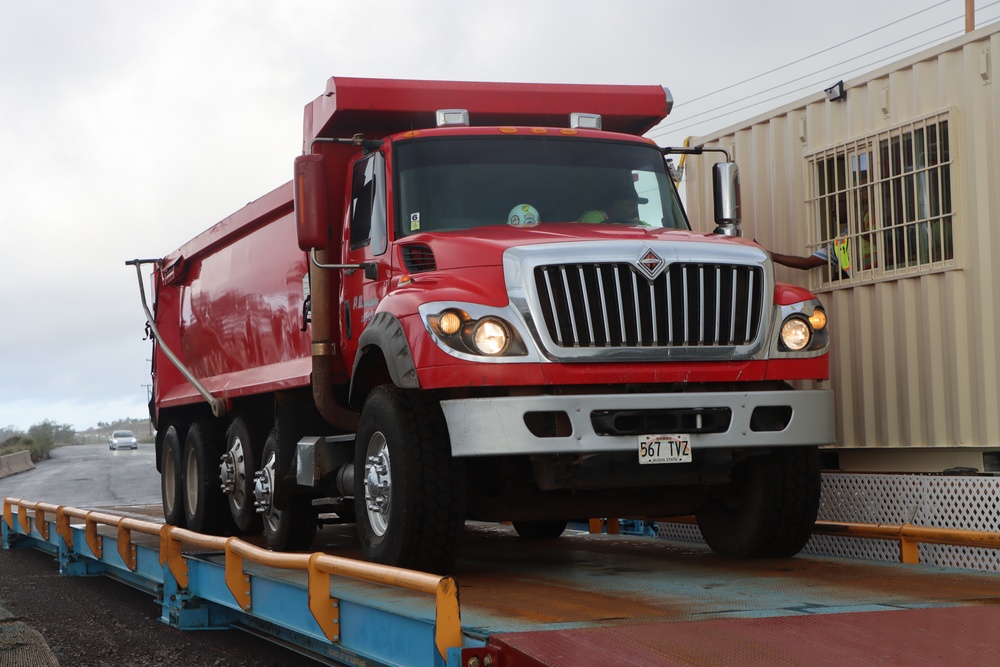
(19, 443)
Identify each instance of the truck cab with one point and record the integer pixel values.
(583, 360)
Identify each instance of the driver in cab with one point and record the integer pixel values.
(622, 207)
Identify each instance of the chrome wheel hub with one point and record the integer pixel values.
(233, 472)
(378, 484)
(263, 486)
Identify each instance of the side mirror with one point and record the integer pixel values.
(726, 186)
(311, 213)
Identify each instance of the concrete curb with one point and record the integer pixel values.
(11, 464)
(21, 646)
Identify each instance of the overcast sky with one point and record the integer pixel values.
(128, 127)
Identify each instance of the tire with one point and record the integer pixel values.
(540, 530)
(205, 507)
(409, 491)
(241, 461)
(293, 528)
(171, 478)
(769, 508)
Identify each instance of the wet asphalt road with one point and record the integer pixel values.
(90, 476)
(95, 621)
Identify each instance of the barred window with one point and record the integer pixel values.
(882, 205)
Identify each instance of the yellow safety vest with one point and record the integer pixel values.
(841, 249)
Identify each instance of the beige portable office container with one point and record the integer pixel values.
(904, 168)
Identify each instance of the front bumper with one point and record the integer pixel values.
(496, 426)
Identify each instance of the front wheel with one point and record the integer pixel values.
(769, 508)
(409, 491)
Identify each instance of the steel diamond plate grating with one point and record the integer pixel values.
(963, 502)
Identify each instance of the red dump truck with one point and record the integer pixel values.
(484, 301)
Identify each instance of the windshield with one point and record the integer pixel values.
(123, 434)
(463, 182)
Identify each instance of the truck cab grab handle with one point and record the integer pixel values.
(370, 268)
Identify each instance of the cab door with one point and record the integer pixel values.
(368, 242)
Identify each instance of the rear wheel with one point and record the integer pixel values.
(409, 491)
(294, 527)
(205, 505)
(239, 464)
(540, 530)
(769, 509)
(171, 488)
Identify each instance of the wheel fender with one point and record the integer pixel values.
(385, 335)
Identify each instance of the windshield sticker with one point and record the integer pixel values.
(522, 215)
(414, 222)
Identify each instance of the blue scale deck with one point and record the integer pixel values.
(603, 599)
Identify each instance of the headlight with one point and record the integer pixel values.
(475, 335)
(795, 334)
(803, 328)
(490, 337)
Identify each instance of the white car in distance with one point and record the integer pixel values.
(123, 439)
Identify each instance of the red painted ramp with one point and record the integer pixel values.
(939, 636)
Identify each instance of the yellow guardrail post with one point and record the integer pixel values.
(63, 528)
(94, 541)
(448, 621)
(237, 581)
(324, 607)
(22, 519)
(909, 550)
(8, 513)
(125, 547)
(170, 554)
(41, 522)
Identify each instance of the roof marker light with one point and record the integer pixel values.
(585, 121)
(452, 117)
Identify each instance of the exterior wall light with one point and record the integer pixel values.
(836, 92)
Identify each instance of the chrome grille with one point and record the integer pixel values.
(613, 305)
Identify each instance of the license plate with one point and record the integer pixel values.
(665, 448)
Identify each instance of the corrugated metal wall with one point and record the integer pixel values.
(914, 360)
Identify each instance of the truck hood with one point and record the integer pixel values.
(484, 246)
